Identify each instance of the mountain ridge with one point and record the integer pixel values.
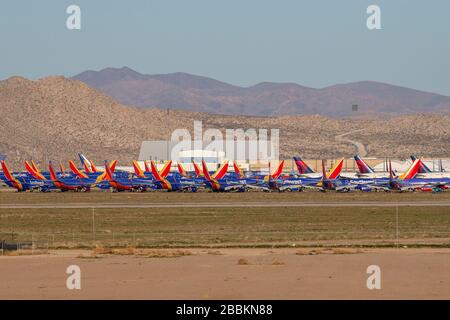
(189, 92)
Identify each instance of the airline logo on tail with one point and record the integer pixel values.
(197, 169)
(363, 167)
(77, 172)
(138, 170)
(158, 176)
(181, 170)
(302, 167)
(16, 183)
(31, 170)
(412, 170)
(238, 170)
(277, 172)
(423, 168)
(335, 172)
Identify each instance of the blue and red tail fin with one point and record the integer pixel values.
(302, 167)
(423, 168)
(363, 167)
(197, 169)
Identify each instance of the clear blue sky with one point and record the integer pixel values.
(314, 43)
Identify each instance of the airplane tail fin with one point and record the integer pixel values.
(9, 176)
(52, 172)
(7, 172)
(412, 170)
(221, 171)
(76, 171)
(36, 175)
(336, 170)
(238, 170)
(61, 168)
(391, 175)
(155, 172)
(324, 174)
(35, 168)
(138, 170)
(93, 167)
(166, 169)
(302, 167)
(363, 167)
(147, 168)
(181, 170)
(197, 169)
(205, 171)
(279, 170)
(108, 172)
(423, 168)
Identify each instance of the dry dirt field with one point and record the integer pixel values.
(229, 274)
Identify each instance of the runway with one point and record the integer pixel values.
(226, 205)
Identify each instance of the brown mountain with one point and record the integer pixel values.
(55, 118)
(195, 93)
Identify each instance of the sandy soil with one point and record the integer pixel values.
(232, 274)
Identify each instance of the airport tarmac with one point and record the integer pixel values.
(225, 205)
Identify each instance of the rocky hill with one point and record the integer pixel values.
(55, 118)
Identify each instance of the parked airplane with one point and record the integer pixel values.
(23, 181)
(218, 183)
(120, 183)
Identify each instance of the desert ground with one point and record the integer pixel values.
(225, 246)
(304, 273)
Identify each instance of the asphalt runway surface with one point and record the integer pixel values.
(227, 205)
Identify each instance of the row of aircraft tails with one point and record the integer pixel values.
(418, 177)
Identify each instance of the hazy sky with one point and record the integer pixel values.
(314, 43)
